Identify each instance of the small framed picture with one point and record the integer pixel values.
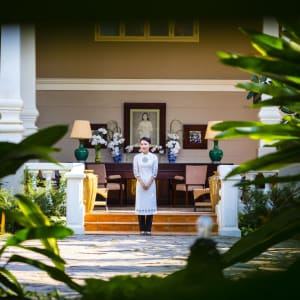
(193, 136)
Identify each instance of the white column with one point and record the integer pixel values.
(75, 206)
(11, 104)
(227, 208)
(28, 79)
(269, 115)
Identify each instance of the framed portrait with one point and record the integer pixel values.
(193, 137)
(87, 143)
(144, 119)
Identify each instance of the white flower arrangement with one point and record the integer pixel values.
(98, 138)
(129, 148)
(173, 138)
(173, 143)
(157, 148)
(153, 148)
(115, 145)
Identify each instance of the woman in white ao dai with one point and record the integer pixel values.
(145, 168)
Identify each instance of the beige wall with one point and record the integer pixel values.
(69, 51)
(62, 107)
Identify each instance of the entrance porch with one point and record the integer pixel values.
(167, 221)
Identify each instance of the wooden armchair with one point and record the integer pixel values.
(106, 184)
(201, 195)
(195, 178)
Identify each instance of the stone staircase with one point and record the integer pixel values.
(125, 222)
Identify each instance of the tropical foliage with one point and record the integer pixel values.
(50, 197)
(259, 207)
(278, 58)
(33, 223)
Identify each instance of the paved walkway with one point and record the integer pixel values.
(104, 256)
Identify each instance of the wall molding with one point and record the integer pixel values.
(176, 85)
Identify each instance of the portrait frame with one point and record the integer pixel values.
(133, 115)
(95, 126)
(193, 136)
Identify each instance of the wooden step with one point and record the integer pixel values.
(126, 221)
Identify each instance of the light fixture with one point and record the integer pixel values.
(216, 153)
(81, 130)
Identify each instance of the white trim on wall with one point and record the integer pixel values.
(179, 85)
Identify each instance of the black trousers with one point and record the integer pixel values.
(145, 222)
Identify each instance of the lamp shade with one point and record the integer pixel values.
(210, 134)
(81, 130)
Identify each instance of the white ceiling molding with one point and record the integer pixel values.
(186, 85)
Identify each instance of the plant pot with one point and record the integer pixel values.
(118, 158)
(171, 157)
(97, 154)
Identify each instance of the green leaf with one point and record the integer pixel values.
(53, 272)
(274, 46)
(257, 130)
(281, 227)
(36, 146)
(270, 179)
(45, 252)
(9, 280)
(32, 212)
(270, 132)
(45, 137)
(271, 90)
(291, 102)
(40, 232)
(291, 27)
(283, 71)
(272, 161)
(38, 227)
(230, 124)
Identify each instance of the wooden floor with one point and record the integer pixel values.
(166, 221)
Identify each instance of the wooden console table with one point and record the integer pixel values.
(166, 173)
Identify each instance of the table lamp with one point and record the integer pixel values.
(81, 130)
(216, 153)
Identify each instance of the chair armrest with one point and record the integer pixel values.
(103, 192)
(177, 177)
(113, 177)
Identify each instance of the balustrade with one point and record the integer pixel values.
(227, 206)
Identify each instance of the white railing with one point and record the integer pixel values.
(74, 174)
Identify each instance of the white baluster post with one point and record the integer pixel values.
(75, 206)
(227, 208)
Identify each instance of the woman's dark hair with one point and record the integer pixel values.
(147, 139)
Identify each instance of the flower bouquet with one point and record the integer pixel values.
(98, 139)
(173, 144)
(173, 140)
(115, 146)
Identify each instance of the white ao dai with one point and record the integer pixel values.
(145, 166)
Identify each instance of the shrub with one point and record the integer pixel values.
(259, 207)
(51, 200)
